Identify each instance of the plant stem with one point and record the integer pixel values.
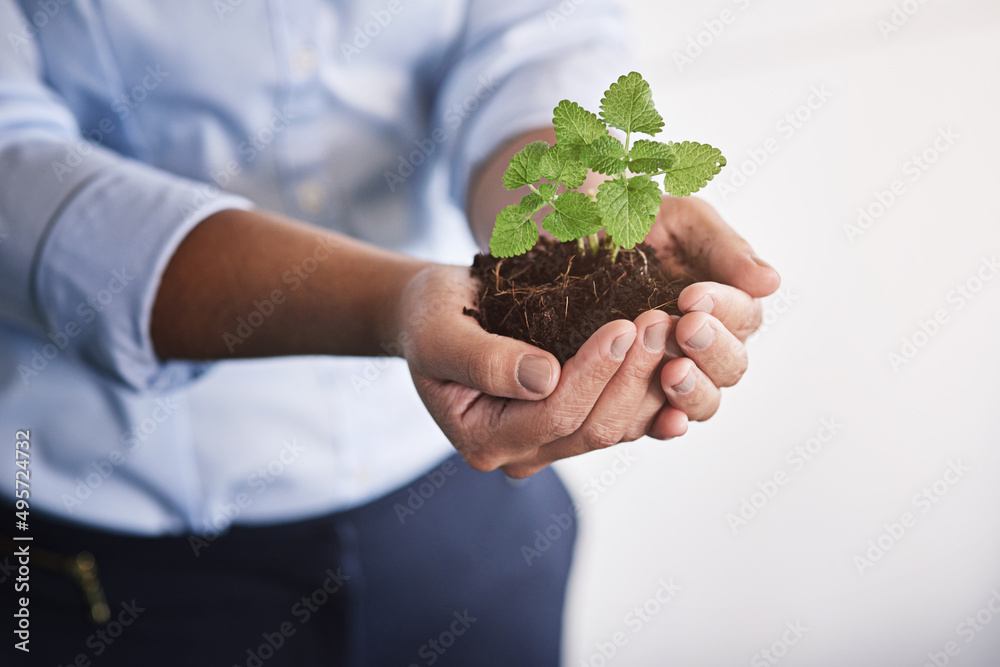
(614, 252)
(595, 243)
(579, 245)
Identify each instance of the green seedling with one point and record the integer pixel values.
(625, 205)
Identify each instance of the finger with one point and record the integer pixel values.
(689, 390)
(464, 415)
(581, 383)
(717, 352)
(668, 423)
(449, 345)
(652, 403)
(737, 310)
(617, 412)
(522, 470)
(673, 349)
(694, 232)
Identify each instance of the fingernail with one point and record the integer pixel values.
(703, 305)
(702, 338)
(534, 373)
(685, 385)
(655, 337)
(621, 345)
(759, 262)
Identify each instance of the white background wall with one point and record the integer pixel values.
(824, 356)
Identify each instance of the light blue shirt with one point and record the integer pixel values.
(124, 123)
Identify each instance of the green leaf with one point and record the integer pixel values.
(647, 156)
(559, 166)
(547, 190)
(628, 208)
(573, 216)
(525, 166)
(628, 105)
(575, 126)
(531, 203)
(514, 232)
(696, 165)
(606, 155)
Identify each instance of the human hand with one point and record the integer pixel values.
(467, 378)
(721, 311)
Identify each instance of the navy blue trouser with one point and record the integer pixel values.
(463, 569)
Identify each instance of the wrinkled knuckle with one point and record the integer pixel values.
(480, 461)
(481, 367)
(480, 442)
(707, 412)
(563, 424)
(602, 435)
(742, 364)
(478, 451)
(635, 433)
(756, 315)
(638, 372)
(735, 370)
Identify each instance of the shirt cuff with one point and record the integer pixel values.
(100, 267)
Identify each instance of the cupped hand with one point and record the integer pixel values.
(720, 311)
(507, 404)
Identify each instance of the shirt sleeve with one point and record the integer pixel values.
(85, 233)
(516, 61)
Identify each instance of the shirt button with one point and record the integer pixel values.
(311, 196)
(304, 60)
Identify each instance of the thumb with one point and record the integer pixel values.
(713, 249)
(459, 350)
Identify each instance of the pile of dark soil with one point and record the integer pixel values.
(555, 296)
